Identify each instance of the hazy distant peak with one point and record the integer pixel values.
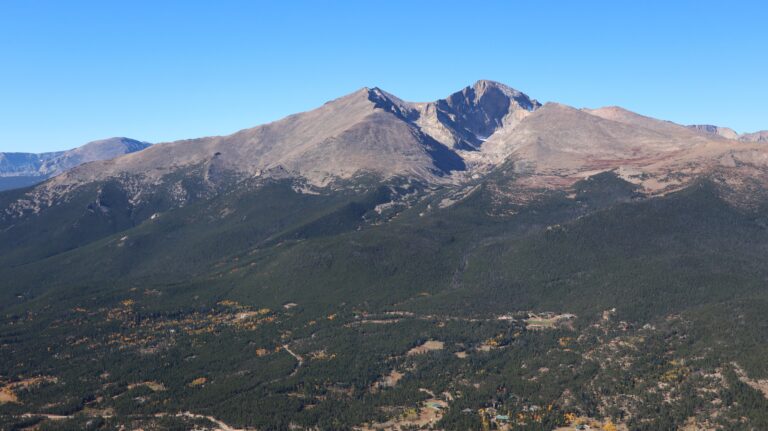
(37, 167)
(710, 129)
(103, 149)
(728, 133)
(127, 144)
(761, 136)
(108, 148)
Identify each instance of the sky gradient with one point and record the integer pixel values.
(72, 72)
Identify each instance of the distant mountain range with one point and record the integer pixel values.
(725, 132)
(25, 169)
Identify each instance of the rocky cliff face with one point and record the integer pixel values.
(761, 136)
(725, 132)
(467, 118)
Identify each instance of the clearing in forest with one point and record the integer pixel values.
(426, 347)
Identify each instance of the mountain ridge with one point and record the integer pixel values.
(728, 133)
(31, 168)
(450, 141)
(337, 140)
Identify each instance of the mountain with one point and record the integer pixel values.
(481, 261)
(25, 169)
(725, 132)
(465, 119)
(465, 135)
(761, 136)
(559, 145)
(342, 138)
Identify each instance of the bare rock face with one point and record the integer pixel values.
(465, 119)
(725, 132)
(761, 136)
(484, 107)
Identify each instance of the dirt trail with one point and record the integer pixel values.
(47, 416)
(220, 426)
(298, 358)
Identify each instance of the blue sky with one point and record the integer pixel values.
(75, 71)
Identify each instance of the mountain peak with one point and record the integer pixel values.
(728, 133)
(477, 111)
(116, 144)
(761, 136)
(710, 129)
(487, 90)
(391, 103)
(485, 85)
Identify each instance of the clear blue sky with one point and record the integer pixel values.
(75, 71)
